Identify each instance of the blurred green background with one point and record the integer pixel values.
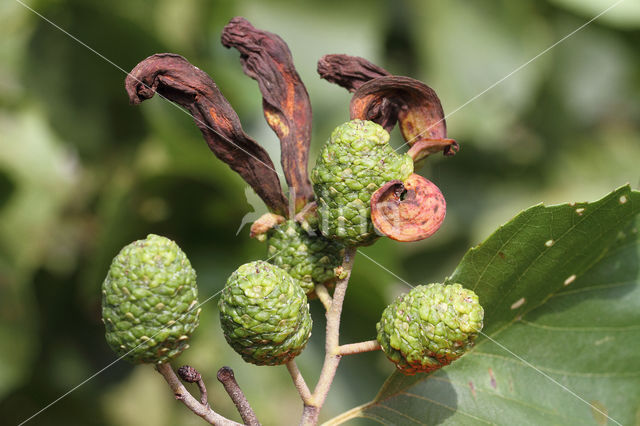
(82, 173)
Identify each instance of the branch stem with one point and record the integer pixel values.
(299, 382)
(228, 380)
(360, 347)
(332, 344)
(323, 296)
(203, 393)
(182, 394)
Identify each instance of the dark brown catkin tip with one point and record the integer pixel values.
(189, 374)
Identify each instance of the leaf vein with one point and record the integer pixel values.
(557, 328)
(498, 395)
(393, 410)
(596, 287)
(454, 410)
(545, 251)
(555, 371)
(502, 245)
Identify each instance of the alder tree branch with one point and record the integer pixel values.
(299, 382)
(360, 347)
(182, 394)
(228, 380)
(191, 375)
(323, 296)
(332, 354)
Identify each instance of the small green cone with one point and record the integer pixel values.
(149, 300)
(430, 327)
(310, 259)
(264, 314)
(354, 163)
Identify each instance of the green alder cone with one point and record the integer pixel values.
(430, 327)
(354, 163)
(149, 300)
(264, 314)
(310, 259)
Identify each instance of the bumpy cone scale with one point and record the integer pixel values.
(430, 327)
(149, 300)
(305, 254)
(356, 161)
(264, 314)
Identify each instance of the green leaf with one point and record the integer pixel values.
(561, 290)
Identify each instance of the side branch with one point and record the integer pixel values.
(299, 382)
(358, 348)
(228, 380)
(332, 355)
(182, 394)
(190, 375)
(323, 295)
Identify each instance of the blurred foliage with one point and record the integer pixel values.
(82, 173)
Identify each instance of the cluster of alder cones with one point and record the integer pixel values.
(360, 190)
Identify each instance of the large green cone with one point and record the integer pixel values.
(149, 301)
(354, 163)
(308, 257)
(430, 327)
(264, 314)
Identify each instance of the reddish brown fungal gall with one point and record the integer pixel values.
(347, 71)
(425, 147)
(177, 80)
(408, 211)
(266, 58)
(413, 105)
